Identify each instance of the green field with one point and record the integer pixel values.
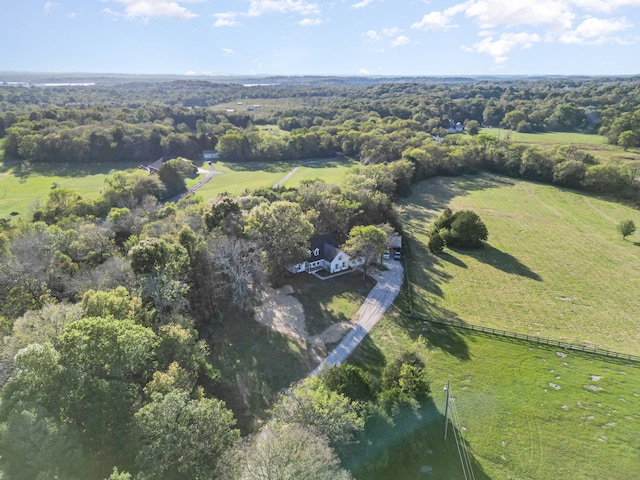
(525, 412)
(19, 194)
(595, 144)
(554, 266)
(238, 177)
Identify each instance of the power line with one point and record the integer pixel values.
(463, 453)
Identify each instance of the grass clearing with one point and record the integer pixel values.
(19, 194)
(526, 411)
(596, 145)
(330, 301)
(240, 176)
(554, 266)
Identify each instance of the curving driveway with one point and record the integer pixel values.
(372, 310)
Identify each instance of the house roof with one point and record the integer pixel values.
(322, 247)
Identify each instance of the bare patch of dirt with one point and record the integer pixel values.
(281, 312)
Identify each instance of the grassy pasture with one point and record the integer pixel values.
(237, 177)
(525, 412)
(19, 194)
(554, 266)
(594, 144)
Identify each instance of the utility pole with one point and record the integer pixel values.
(446, 410)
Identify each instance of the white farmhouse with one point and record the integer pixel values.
(323, 254)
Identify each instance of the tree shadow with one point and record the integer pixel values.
(453, 260)
(502, 261)
(271, 167)
(49, 169)
(438, 335)
(415, 448)
(430, 197)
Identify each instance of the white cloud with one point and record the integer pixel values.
(500, 48)
(605, 5)
(228, 52)
(72, 15)
(372, 35)
(50, 6)
(190, 73)
(554, 13)
(258, 8)
(311, 22)
(434, 21)
(364, 71)
(146, 9)
(400, 41)
(227, 19)
(390, 32)
(362, 4)
(595, 30)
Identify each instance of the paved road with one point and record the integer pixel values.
(208, 175)
(372, 310)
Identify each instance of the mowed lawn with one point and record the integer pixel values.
(554, 265)
(236, 177)
(526, 412)
(19, 194)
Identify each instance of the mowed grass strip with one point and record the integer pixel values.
(524, 411)
(554, 265)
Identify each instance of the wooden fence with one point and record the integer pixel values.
(532, 338)
(506, 333)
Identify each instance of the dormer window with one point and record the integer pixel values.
(316, 252)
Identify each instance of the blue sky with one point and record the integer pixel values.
(340, 37)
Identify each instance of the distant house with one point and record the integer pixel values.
(455, 127)
(155, 166)
(210, 155)
(395, 242)
(323, 254)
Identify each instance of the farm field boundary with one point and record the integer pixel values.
(530, 338)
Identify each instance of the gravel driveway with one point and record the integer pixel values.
(372, 310)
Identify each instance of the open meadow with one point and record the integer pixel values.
(594, 144)
(525, 412)
(18, 193)
(554, 265)
(236, 177)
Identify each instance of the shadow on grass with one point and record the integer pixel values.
(272, 167)
(444, 337)
(414, 449)
(80, 170)
(330, 301)
(453, 260)
(431, 196)
(502, 261)
(255, 363)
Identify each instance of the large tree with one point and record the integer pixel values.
(183, 437)
(291, 452)
(283, 232)
(366, 242)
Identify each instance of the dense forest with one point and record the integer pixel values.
(107, 305)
